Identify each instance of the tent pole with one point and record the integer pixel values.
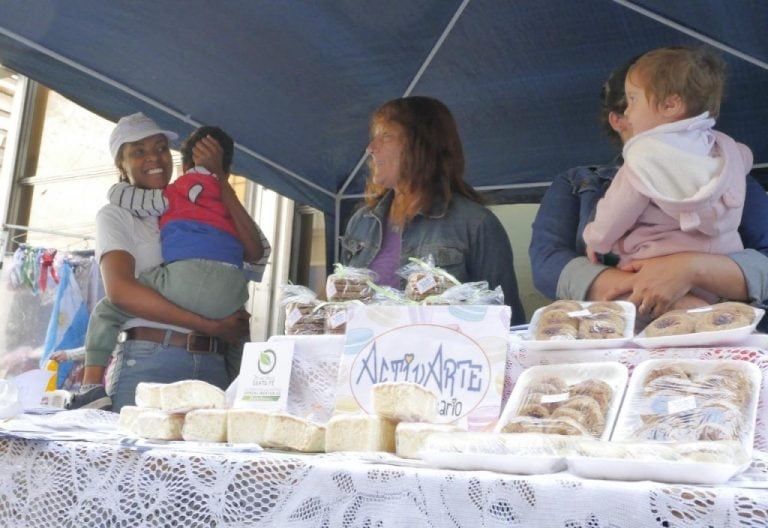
(163, 108)
(414, 81)
(693, 33)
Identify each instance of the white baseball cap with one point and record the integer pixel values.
(133, 128)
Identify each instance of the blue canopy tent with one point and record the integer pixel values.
(295, 81)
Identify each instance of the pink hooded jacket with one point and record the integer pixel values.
(667, 198)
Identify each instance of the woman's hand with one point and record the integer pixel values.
(660, 282)
(610, 284)
(233, 329)
(208, 153)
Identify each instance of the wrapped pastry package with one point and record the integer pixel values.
(425, 280)
(581, 325)
(675, 400)
(572, 399)
(682, 421)
(304, 314)
(350, 284)
(718, 324)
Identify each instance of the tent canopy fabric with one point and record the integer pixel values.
(295, 81)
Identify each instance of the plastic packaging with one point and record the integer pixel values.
(675, 400)
(566, 399)
(304, 314)
(581, 325)
(718, 324)
(349, 284)
(425, 279)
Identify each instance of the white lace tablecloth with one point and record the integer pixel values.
(83, 484)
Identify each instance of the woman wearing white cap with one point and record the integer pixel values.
(159, 346)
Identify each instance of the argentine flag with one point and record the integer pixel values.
(69, 320)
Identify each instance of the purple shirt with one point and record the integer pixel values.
(387, 260)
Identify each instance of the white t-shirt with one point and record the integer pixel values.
(118, 229)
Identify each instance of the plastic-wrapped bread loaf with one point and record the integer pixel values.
(247, 426)
(411, 437)
(360, 432)
(158, 425)
(290, 432)
(128, 415)
(205, 425)
(404, 402)
(186, 395)
(148, 395)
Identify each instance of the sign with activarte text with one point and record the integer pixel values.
(458, 352)
(265, 374)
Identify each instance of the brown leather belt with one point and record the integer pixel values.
(194, 343)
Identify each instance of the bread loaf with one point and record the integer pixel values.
(404, 402)
(186, 395)
(205, 425)
(155, 424)
(148, 395)
(247, 426)
(360, 432)
(290, 432)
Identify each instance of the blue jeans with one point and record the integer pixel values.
(145, 361)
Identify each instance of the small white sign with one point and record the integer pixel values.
(555, 398)
(265, 375)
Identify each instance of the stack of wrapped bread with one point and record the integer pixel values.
(196, 411)
(404, 415)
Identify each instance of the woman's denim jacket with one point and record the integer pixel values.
(464, 238)
(560, 269)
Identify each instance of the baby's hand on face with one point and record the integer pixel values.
(208, 153)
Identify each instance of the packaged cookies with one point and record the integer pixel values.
(722, 323)
(572, 324)
(568, 399)
(349, 284)
(678, 400)
(304, 313)
(425, 280)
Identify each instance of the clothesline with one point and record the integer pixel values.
(46, 231)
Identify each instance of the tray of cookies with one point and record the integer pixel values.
(581, 325)
(573, 399)
(719, 324)
(675, 400)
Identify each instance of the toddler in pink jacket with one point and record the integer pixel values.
(682, 184)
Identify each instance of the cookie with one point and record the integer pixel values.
(422, 284)
(557, 317)
(721, 319)
(605, 307)
(534, 410)
(671, 323)
(602, 326)
(596, 389)
(564, 425)
(568, 306)
(557, 382)
(671, 370)
(556, 332)
(347, 289)
(742, 308)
